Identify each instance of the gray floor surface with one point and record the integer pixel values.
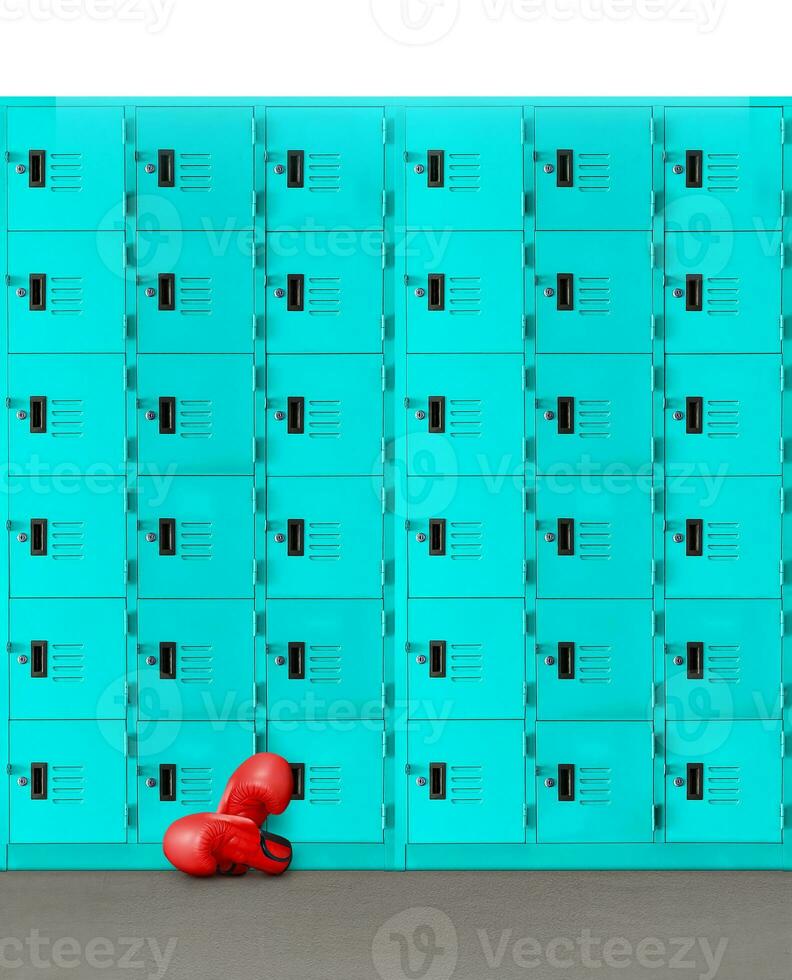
(409, 926)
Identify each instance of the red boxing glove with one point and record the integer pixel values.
(204, 844)
(262, 785)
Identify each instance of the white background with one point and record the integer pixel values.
(392, 47)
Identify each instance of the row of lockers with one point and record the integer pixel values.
(586, 659)
(465, 292)
(474, 168)
(465, 536)
(468, 782)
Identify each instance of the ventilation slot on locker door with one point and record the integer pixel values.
(566, 661)
(37, 292)
(166, 168)
(566, 783)
(694, 165)
(437, 780)
(296, 653)
(437, 658)
(436, 291)
(167, 659)
(295, 168)
(435, 168)
(38, 658)
(295, 416)
(36, 168)
(694, 538)
(437, 536)
(38, 414)
(695, 780)
(167, 783)
(436, 413)
(564, 292)
(295, 538)
(695, 661)
(38, 781)
(694, 412)
(298, 780)
(566, 536)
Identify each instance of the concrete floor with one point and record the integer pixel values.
(429, 926)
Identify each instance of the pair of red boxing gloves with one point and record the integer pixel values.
(232, 840)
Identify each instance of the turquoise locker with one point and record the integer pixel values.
(67, 658)
(593, 168)
(195, 537)
(593, 292)
(594, 782)
(464, 292)
(324, 414)
(67, 537)
(65, 168)
(593, 413)
(465, 537)
(183, 767)
(464, 414)
(338, 781)
(723, 168)
(723, 782)
(325, 168)
(722, 294)
(325, 292)
(194, 292)
(195, 414)
(324, 537)
(195, 168)
(66, 292)
(723, 414)
(195, 660)
(723, 659)
(723, 537)
(464, 168)
(67, 414)
(594, 537)
(466, 782)
(466, 658)
(67, 782)
(324, 657)
(594, 660)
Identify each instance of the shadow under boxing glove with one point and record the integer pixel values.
(261, 786)
(204, 844)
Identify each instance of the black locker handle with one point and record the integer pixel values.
(566, 536)
(695, 661)
(695, 780)
(295, 293)
(38, 658)
(437, 658)
(295, 415)
(694, 293)
(167, 536)
(436, 413)
(565, 293)
(166, 168)
(38, 414)
(167, 660)
(167, 415)
(694, 538)
(437, 780)
(564, 168)
(694, 415)
(37, 292)
(295, 538)
(166, 291)
(298, 780)
(37, 168)
(566, 783)
(167, 783)
(565, 413)
(437, 536)
(435, 168)
(296, 661)
(38, 780)
(694, 167)
(566, 661)
(38, 536)
(436, 291)
(295, 168)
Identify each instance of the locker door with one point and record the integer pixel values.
(723, 537)
(723, 168)
(466, 782)
(593, 292)
(325, 168)
(594, 660)
(324, 656)
(183, 767)
(723, 414)
(195, 659)
(594, 782)
(67, 537)
(324, 414)
(723, 659)
(466, 658)
(593, 168)
(195, 537)
(594, 537)
(325, 537)
(723, 781)
(67, 413)
(593, 412)
(66, 292)
(195, 168)
(338, 781)
(465, 414)
(465, 168)
(465, 537)
(722, 293)
(195, 292)
(65, 168)
(324, 292)
(68, 658)
(195, 414)
(464, 292)
(67, 782)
